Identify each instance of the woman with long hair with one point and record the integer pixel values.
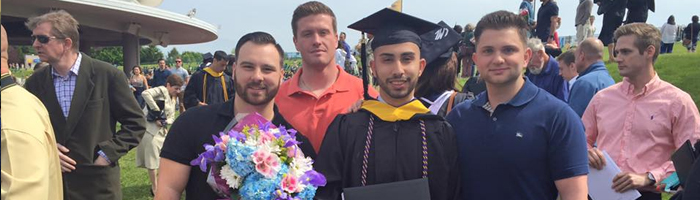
(138, 83)
(668, 35)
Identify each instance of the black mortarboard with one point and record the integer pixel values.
(438, 43)
(390, 27)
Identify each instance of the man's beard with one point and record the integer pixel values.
(384, 85)
(243, 92)
(535, 71)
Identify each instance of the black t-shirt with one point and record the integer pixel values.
(194, 128)
(544, 20)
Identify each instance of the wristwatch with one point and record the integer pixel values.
(651, 177)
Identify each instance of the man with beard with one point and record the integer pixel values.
(395, 138)
(515, 136)
(257, 77)
(543, 71)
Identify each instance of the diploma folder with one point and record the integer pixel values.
(683, 160)
(417, 189)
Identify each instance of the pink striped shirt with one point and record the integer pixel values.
(640, 132)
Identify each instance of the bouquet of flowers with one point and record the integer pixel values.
(256, 160)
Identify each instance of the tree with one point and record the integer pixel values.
(21, 52)
(191, 57)
(172, 55)
(113, 55)
(150, 55)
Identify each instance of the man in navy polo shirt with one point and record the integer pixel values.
(516, 141)
(543, 71)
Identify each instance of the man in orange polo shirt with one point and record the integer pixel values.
(320, 90)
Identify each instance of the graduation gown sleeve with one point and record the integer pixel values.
(330, 160)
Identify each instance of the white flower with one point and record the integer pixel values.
(301, 165)
(232, 179)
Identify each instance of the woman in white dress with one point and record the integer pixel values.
(160, 112)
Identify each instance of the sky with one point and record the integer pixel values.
(235, 18)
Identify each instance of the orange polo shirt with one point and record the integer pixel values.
(311, 115)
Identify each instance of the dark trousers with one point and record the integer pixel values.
(666, 48)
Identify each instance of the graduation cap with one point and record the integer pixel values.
(439, 43)
(389, 27)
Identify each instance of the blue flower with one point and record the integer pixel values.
(238, 157)
(257, 187)
(307, 193)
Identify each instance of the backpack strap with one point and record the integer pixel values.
(7, 81)
(451, 101)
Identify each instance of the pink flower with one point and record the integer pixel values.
(290, 184)
(266, 136)
(266, 163)
(224, 141)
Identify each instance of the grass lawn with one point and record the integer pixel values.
(678, 68)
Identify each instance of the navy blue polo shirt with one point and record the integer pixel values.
(544, 20)
(521, 149)
(550, 81)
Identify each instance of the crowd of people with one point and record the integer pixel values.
(530, 123)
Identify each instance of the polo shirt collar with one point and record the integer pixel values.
(342, 82)
(594, 67)
(628, 89)
(524, 96)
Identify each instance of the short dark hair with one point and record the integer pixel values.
(160, 60)
(174, 80)
(260, 38)
(500, 20)
(220, 55)
(694, 19)
(312, 8)
(567, 57)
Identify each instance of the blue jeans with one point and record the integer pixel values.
(666, 48)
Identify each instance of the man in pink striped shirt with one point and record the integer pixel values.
(641, 121)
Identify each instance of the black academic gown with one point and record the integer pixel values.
(194, 92)
(395, 155)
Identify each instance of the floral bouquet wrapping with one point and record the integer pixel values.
(256, 160)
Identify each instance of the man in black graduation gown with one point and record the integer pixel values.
(211, 85)
(394, 138)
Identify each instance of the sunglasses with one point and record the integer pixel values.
(177, 61)
(43, 39)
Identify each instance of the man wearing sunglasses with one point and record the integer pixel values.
(182, 72)
(85, 99)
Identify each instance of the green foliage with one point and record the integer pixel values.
(113, 55)
(24, 50)
(172, 55)
(21, 73)
(191, 57)
(150, 54)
